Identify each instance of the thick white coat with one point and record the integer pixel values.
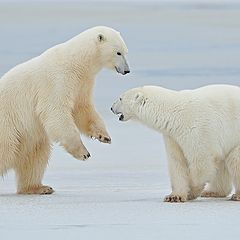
(49, 98)
(201, 130)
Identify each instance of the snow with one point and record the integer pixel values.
(108, 202)
(118, 193)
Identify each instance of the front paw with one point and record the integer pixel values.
(78, 152)
(81, 155)
(175, 198)
(101, 136)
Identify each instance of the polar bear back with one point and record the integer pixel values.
(210, 113)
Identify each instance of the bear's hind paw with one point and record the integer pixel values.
(235, 197)
(42, 190)
(209, 194)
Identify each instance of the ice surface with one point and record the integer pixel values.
(118, 193)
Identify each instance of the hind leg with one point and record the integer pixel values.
(221, 185)
(233, 164)
(202, 170)
(30, 169)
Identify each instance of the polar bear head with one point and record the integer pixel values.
(130, 104)
(112, 49)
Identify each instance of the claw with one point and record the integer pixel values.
(174, 198)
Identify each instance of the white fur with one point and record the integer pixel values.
(49, 98)
(201, 130)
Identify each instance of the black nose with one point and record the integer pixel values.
(121, 117)
(111, 109)
(125, 72)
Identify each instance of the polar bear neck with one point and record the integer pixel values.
(91, 59)
(79, 64)
(73, 57)
(163, 113)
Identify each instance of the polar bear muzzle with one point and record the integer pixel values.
(122, 65)
(121, 117)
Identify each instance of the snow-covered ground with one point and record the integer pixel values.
(118, 193)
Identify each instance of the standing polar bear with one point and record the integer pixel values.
(201, 130)
(49, 98)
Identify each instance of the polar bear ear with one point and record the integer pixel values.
(101, 38)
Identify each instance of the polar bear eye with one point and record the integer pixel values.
(118, 53)
(120, 99)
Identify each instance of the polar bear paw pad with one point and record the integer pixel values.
(175, 199)
(235, 197)
(209, 194)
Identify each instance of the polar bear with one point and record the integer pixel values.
(201, 130)
(49, 99)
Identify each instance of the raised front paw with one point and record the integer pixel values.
(175, 198)
(102, 138)
(81, 154)
(78, 152)
(100, 135)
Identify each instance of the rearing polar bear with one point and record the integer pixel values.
(201, 130)
(49, 98)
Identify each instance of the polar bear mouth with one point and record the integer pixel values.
(123, 72)
(117, 69)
